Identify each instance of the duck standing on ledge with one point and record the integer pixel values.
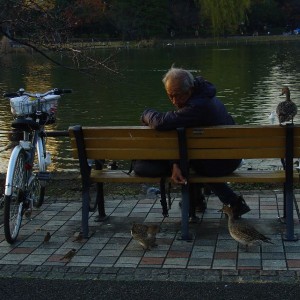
(241, 232)
(286, 110)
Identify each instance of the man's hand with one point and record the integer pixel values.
(177, 175)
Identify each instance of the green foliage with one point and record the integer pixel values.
(225, 15)
(265, 12)
(138, 19)
(51, 20)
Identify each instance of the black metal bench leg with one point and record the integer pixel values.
(193, 196)
(100, 194)
(284, 201)
(185, 209)
(289, 192)
(184, 166)
(290, 236)
(85, 212)
(85, 178)
(163, 197)
(100, 203)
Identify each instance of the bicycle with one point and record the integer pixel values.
(27, 175)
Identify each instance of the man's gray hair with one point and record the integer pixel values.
(177, 74)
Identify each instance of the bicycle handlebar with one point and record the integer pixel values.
(62, 91)
(22, 92)
(11, 95)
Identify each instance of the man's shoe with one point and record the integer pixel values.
(239, 208)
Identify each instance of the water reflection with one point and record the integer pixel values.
(248, 79)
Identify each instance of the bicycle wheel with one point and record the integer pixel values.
(36, 186)
(14, 199)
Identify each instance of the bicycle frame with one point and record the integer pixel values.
(25, 184)
(30, 147)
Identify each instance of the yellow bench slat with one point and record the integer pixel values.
(251, 176)
(120, 176)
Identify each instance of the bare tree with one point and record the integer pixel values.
(46, 28)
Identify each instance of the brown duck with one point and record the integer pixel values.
(242, 232)
(286, 110)
(145, 234)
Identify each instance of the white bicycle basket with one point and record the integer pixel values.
(25, 105)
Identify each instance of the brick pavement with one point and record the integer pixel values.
(111, 254)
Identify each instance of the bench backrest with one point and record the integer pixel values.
(126, 143)
(140, 142)
(236, 142)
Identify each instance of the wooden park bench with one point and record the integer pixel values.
(217, 142)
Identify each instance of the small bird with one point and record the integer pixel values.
(27, 213)
(145, 234)
(69, 255)
(47, 237)
(241, 232)
(286, 110)
(78, 237)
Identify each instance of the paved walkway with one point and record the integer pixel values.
(111, 254)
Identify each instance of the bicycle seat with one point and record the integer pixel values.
(25, 124)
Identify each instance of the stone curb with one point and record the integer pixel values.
(148, 274)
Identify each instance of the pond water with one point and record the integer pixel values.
(248, 80)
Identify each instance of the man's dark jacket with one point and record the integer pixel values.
(203, 108)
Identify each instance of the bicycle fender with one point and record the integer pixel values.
(10, 170)
(40, 153)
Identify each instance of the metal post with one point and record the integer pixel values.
(100, 195)
(289, 191)
(85, 175)
(184, 166)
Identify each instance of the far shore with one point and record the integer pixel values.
(183, 42)
(89, 43)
